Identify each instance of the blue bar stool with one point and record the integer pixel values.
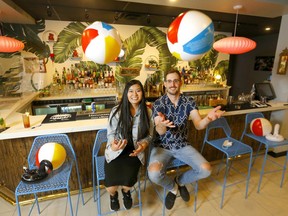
(57, 180)
(267, 144)
(231, 149)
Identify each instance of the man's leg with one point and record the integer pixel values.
(200, 166)
(159, 159)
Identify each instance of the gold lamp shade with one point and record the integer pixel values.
(8, 44)
(234, 45)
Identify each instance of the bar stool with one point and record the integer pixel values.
(98, 174)
(267, 144)
(57, 180)
(231, 149)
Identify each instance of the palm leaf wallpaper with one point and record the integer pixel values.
(69, 39)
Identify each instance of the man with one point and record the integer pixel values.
(171, 113)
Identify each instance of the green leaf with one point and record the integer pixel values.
(68, 40)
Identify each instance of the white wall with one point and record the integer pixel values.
(280, 82)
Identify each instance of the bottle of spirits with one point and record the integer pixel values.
(64, 76)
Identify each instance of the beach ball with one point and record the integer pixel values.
(53, 152)
(190, 35)
(101, 43)
(260, 127)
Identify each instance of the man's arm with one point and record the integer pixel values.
(200, 123)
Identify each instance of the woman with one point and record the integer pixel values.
(130, 131)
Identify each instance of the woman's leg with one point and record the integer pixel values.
(112, 190)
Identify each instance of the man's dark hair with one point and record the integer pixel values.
(173, 71)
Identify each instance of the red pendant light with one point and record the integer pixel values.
(8, 44)
(234, 45)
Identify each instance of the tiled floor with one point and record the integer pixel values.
(272, 200)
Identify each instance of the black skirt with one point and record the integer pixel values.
(123, 170)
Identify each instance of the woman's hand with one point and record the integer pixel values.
(141, 147)
(118, 144)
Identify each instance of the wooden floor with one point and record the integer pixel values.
(272, 200)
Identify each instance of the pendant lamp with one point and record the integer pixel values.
(234, 45)
(8, 44)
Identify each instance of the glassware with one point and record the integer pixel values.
(26, 120)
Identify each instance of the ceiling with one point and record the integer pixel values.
(254, 16)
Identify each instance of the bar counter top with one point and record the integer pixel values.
(16, 129)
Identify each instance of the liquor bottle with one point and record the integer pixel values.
(58, 80)
(55, 77)
(68, 76)
(64, 76)
(112, 78)
(106, 84)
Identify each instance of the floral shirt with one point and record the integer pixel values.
(174, 138)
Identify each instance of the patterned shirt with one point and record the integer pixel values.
(174, 138)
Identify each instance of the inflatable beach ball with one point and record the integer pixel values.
(260, 127)
(53, 152)
(101, 43)
(190, 35)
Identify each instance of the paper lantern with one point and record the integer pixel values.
(234, 45)
(53, 152)
(8, 44)
(260, 127)
(190, 35)
(101, 43)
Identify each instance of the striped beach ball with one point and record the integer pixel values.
(190, 35)
(260, 127)
(101, 42)
(53, 152)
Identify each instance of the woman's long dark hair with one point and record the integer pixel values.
(124, 126)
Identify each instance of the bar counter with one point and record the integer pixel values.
(16, 141)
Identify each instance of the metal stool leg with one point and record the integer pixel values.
(262, 169)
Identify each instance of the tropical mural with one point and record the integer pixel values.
(69, 39)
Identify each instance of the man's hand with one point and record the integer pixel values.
(161, 121)
(215, 113)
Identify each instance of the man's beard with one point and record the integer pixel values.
(173, 92)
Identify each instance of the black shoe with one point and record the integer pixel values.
(183, 191)
(114, 202)
(170, 200)
(127, 200)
